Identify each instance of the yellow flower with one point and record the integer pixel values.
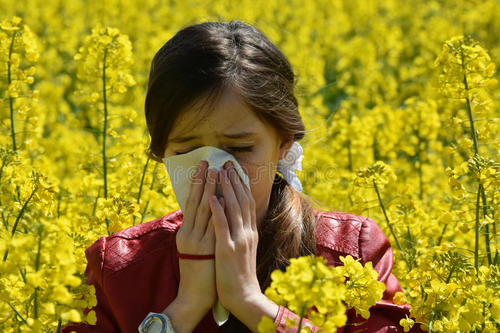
(407, 323)
(266, 325)
(399, 298)
(309, 282)
(92, 318)
(379, 172)
(71, 315)
(363, 287)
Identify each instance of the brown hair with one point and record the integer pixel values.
(206, 58)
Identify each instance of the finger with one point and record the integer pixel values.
(203, 212)
(210, 232)
(221, 227)
(241, 196)
(233, 210)
(248, 191)
(194, 197)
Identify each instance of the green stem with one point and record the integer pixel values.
(19, 216)
(104, 132)
(302, 313)
(442, 234)
(419, 159)
(4, 163)
(144, 211)
(95, 202)
(11, 102)
(493, 217)
(37, 267)
(451, 272)
(386, 217)
(469, 109)
(105, 125)
(430, 321)
(23, 275)
(142, 183)
(487, 227)
(5, 221)
(59, 195)
(150, 188)
(476, 150)
(411, 245)
(349, 149)
(38, 253)
(476, 247)
(35, 301)
(17, 312)
(142, 180)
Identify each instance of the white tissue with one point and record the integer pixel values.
(181, 169)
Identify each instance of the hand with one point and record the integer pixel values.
(196, 235)
(236, 242)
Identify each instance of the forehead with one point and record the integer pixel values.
(227, 114)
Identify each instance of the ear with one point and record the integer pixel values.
(285, 146)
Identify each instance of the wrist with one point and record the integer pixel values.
(251, 309)
(184, 315)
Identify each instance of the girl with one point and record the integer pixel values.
(226, 85)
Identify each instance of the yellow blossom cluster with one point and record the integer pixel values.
(363, 289)
(105, 57)
(38, 269)
(309, 282)
(18, 54)
(467, 68)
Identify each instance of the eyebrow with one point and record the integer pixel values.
(227, 135)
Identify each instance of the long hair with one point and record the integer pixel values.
(202, 60)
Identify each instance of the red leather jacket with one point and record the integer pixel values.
(135, 271)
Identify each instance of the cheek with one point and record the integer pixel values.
(260, 179)
(259, 175)
(258, 167)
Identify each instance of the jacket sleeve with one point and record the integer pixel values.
(94, 273)
(374, 246)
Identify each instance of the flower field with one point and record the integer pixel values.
(400, 100)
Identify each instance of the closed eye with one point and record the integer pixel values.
(234, 149)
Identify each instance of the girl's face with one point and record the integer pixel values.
(233, 127)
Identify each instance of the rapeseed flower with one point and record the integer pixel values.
(309, 283)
